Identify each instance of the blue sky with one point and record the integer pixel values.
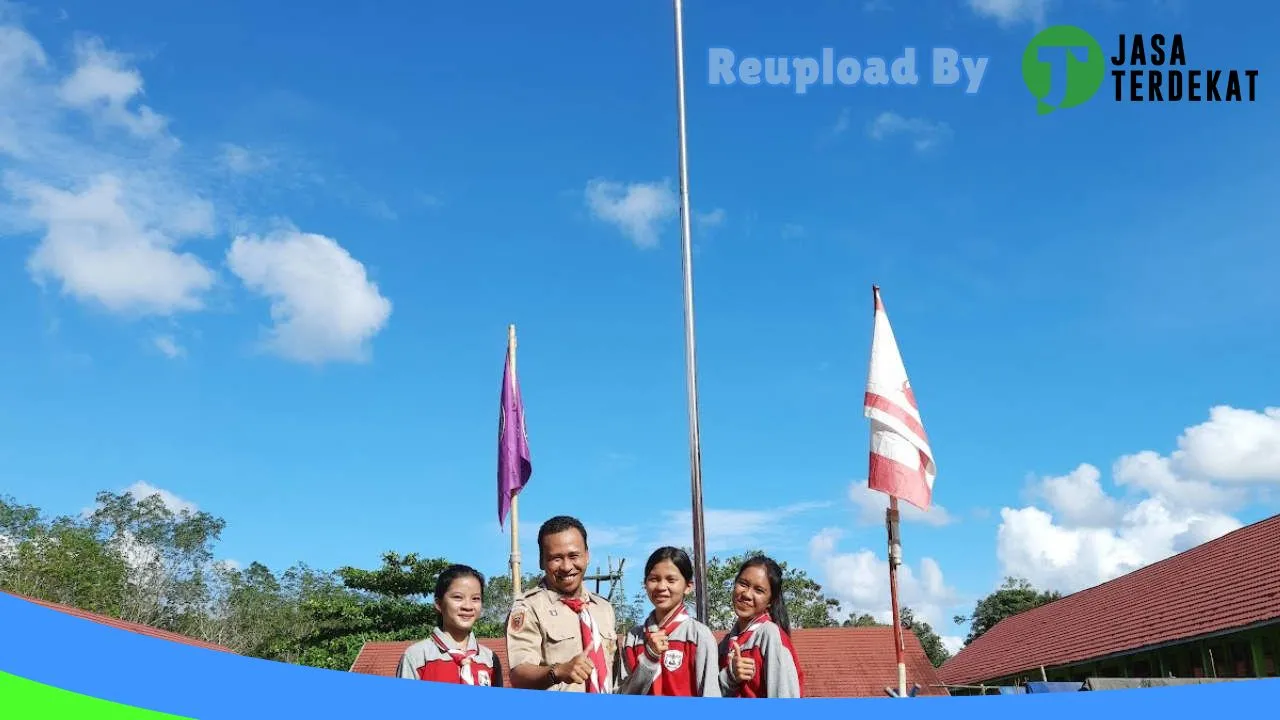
(264, 260)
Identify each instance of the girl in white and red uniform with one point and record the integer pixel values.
(671, 653)
(452, 654)
(757, 659)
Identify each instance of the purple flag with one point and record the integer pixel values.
(514, 463)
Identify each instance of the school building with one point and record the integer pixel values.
(138, 628)
(1210, 612)
(838, 662)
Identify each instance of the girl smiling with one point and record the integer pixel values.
(671, 654)
(452, 654)
(756, 656)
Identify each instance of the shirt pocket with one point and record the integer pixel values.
(609, 638)
(562, 641)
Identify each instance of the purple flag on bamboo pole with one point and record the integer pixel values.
(514, 463)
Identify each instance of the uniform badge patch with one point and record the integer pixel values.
(673, 659)
(517, 621)
(482, 677)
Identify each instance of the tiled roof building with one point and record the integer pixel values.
(1211, 611)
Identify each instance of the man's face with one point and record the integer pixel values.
(564, 560)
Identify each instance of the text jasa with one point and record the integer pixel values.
(1136, 83)
(562, 637)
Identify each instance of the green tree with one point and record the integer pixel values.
(929, 640)
(392, 602)
(863, 620)
(169, 553)
(59, 560)
(806, 603)
(497, 603)
(1014, 596)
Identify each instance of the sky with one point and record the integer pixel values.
(263, 261)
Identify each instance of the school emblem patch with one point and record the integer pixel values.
(517, 621)
(673, 659)
(483, 679)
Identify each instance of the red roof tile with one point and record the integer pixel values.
(122, 624)
(838, 662)
(1227, 583)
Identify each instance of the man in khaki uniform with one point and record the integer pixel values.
(548, 624)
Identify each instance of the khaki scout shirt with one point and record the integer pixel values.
(541, 630)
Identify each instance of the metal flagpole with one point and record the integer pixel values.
(690, 356)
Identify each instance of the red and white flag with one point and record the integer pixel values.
(901, 461)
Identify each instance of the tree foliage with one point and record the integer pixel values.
(929, 640)
(1014, 596)
(141, 560)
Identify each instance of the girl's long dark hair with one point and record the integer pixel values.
(777, 602)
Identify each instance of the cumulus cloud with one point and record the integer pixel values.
(924, 134)
(1163, 505)
(1008, 13)
(860, 581)
(636, 209)
(111, 211)
(869, 506)
(97, 176)
(323, 305)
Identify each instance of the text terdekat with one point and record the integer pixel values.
(1169, 80)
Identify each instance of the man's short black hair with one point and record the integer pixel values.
(559, 524)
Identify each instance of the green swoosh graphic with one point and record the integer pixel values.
(35, 701)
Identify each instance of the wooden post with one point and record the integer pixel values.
(515, 499)
(895, 558)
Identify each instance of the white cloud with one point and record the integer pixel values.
(732, 530)
(323, 305)
(1011, 12)
(112, 242)
(1170, 504)
(610, 536)
(870, 505)
(860, 581)
(104, 85)
(1078, 498)
(243, 161)
(109, 208)
(1233, 445)
(636, 209)
(712, 219)
(924, 134)
(170, 347)
(142, 490)
(953, 643)
(97, 176)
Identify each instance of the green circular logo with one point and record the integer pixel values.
(1079, 56)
